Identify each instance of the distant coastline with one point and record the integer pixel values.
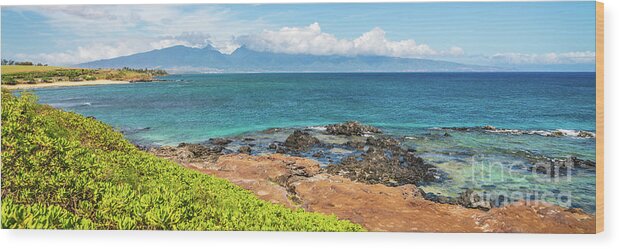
(27, 75)
(65, 83)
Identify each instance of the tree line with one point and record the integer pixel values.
(155, 72)
(21, 63)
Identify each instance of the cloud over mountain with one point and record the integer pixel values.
(311, 40)
(73, 34)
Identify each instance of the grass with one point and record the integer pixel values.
(61, 170)
(17, 74)
(11, 69)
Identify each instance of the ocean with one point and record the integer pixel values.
(419, 108)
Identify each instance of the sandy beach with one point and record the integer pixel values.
(65, 83)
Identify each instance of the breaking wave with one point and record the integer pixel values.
(68, 105)
(546, 133)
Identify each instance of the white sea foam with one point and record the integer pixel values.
(546, 133)
(318, 128)
(66, 105)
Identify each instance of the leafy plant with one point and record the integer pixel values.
(61, 170)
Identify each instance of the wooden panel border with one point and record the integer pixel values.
(599, 117)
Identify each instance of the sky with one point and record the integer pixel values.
(525, 35)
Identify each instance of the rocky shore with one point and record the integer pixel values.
(545, 133)
(359, 174)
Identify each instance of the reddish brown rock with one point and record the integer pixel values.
(266, 176)
(403, 209)
(536, 217)
(381, 208)
(297, 182)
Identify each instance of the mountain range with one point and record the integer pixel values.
(182, 59)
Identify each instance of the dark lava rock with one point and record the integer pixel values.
(385, 162)
(201, 150)
(143, 147)
(327, 146)
(382, 165)
(383, 142)
(272, 130)
(355, 144)
(556, 134)
(475, 128)
(186, 151)
(561, 167)
(439, 198)
(457, 128)
(272, 146)
(351, 128)
(245, 150)
(281, 150)
(467, 199)
(553, 168)
(585, 134)
(318, 154)
(220, 141)
(446, 135)
(300, 140)
(471, 199)
(579, 163)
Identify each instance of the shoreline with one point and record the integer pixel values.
(65, 83)
(300, 183)
(292, 174)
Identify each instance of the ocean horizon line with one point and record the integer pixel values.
(373, 72)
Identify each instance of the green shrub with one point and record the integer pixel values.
(30, 80)
(62, 170)
(8, 80)
(15, 216)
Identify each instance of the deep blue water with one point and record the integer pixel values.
(196, 107)
(193, 108)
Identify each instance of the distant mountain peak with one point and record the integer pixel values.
(176, 47)
(210, 47)
(244, 50)
(182, 58)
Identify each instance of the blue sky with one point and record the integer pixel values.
(526, 35)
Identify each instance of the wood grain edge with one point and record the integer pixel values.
(599, 117)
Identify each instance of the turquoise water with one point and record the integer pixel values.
(193, 108)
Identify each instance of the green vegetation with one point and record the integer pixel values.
(24, 63)
(26, 69)
(29, 74)
(61, 170)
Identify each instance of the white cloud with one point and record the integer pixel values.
(311, 40)
(102, 50)
(107, 31)
(547, 58)
(189, 39)
(86, 53)
(113, 30)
